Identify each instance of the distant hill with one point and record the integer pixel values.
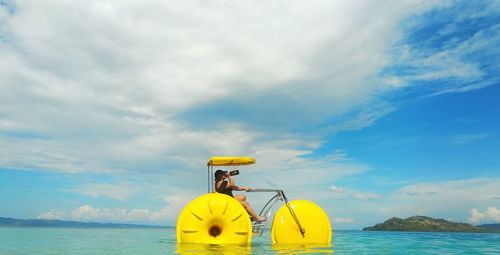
(490, 226)
(425, 224)
(10, 222)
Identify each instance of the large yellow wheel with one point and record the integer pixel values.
(313, 219)
(214, 219)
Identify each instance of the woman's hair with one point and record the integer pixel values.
(218, 173)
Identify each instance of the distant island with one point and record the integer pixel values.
(10, 222)
(428, 224)
(494, 227)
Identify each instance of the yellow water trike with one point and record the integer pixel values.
(215, 218)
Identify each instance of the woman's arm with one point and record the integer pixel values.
(232, 184)
(244, 188)
(230, 179)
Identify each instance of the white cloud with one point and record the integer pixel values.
(94, 87)
(468, 138)
(394, 82)
(441, 198)
(349, 193)
(163, 216)
(446, 64)
(52, 215)
(339, 220)
(492, 214)
(366, 117)
(120, 191)
(107, 88)
(337, 189)
(87, 212)
(449, 60)
(465, 88)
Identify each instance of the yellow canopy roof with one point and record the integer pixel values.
(230, 161)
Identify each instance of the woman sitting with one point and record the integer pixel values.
(226, 187)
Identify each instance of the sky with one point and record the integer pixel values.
(109, 110)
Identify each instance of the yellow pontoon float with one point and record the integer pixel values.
(216, 218)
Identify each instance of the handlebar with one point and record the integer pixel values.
(265, 190)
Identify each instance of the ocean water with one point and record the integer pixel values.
(27, 240)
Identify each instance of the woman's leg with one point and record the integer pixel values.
(242, 200)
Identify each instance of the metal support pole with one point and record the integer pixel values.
(282, 196)
(302, 230)
(212, 184)
(269, 202)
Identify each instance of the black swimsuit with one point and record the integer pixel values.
(223, 189)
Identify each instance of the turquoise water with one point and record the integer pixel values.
(24, 240)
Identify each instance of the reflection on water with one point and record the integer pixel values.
(208, 249)
(213, 249)
(76, 241)
(302, 249)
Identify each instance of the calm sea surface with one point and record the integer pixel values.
(25, 240)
